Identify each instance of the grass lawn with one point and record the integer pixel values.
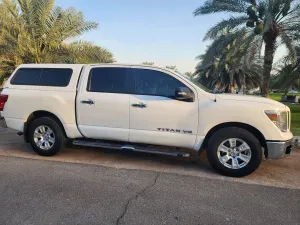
(277, 96)
(295, 111)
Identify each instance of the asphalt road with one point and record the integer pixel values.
(97, 186)
(43, 192)
(283, 173)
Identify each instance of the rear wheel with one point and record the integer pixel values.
(45, 136)
(234, 152)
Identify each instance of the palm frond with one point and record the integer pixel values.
(286, 77)
(42, 10)
(72, 24)
(12, 7)
(287, 41)
(219, 44)
(82, 52)
(35, 31)
(227, 25)
(223, 63)
(252, 49)
(215, 6)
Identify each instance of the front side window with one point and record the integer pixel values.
(42, 77)
(152, 82)
(108, 80)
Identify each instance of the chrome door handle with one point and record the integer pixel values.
(89, 102)
(139, 105)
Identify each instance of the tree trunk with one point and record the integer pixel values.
(229, 88)
(244, 85)
(270, 41)
(285, 92)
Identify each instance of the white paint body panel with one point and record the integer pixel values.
(113, 118)
(163, 113)
(108, 118)
(248, 110)
(60, 101)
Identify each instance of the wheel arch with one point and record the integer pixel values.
(38, 114)
(245, 126)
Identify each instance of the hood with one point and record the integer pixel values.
(247, 98)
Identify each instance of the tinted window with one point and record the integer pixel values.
(151, 82)
(109, 80)
(42, 77)
(55, 77)
(27, 77)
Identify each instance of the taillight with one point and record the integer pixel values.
(3, 99)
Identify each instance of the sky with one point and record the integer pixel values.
(161, 31)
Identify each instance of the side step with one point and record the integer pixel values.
(136, 148)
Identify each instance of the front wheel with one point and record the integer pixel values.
(45, 136)
(234, 152)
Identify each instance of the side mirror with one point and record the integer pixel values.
(184, 94)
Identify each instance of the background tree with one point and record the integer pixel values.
(287, 78)
(189, 74)
(35, 31)
(79, 52)
(171, 67)
(270, 22)
(287, 75)
(148, 63)
(225, 64)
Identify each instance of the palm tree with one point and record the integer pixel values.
(286, 78)
(271, 22)
(34, 31)
(226, 64)
(171, 67)
(148, 63)
(189, 74)
(80, 52)
(288, 74)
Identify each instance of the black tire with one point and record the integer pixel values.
(58, 135)
(234, 132)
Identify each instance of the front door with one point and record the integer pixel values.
(156, 117)
(103, 104)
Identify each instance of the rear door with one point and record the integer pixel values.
(103, 104)
(156, 117)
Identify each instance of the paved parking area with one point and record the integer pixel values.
(98, 186)
(279, 173)
(37, 192)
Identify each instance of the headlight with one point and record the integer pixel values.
(279, 118)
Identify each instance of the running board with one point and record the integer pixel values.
(129, 147)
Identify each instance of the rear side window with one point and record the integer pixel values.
(42, 77)
(108, 80)
(27, 77)
(55, 77)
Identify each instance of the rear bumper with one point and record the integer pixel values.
(279, 149)
(2, 122)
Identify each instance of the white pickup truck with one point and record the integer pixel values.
(142, 108)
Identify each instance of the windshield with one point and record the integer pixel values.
(194, 81)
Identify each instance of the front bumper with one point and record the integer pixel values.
(279, 149)
(2, 122)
